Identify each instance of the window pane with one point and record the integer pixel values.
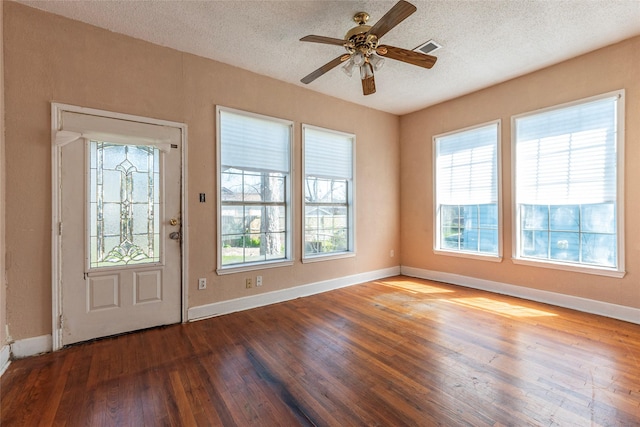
(232, 249)
(253, 250)
(565, 218)
(565, 246)
(110, 214)
(252, 187)
(469, 239)
(311, 218)
(319, 190)
(274, 245)
(340, 217)
(339, 191)
(535, 217)
(142, 183)
(339, 239)
(232, 220)
(470, 231)
(535, 244)
(274, 219)
(110, 155)
(489, 241)
(253, 219)
(469, 216)
(599, 249)
(124, 217)
(488, 216)
(231, 185)
(109, 182)
(140, 218)
(326, 229)
(273, 188)
(450, 227)
(600, 218)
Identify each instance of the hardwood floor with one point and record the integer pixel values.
(391, 352)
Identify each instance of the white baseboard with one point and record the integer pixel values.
(620, 312)
(5, 358)
(31, 346)
(245, 303)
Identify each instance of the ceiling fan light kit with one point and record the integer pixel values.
(363, 50)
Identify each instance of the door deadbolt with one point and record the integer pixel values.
(173, 221)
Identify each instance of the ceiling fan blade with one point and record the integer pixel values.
(368, 85)
(408, 56)
(393, 17)
(326, 67)
(323, 39)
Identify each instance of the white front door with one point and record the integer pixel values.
(119, 235)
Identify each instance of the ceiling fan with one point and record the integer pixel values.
(363, 50)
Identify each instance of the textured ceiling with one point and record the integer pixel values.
(484, 41)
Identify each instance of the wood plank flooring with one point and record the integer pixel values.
(393, 352)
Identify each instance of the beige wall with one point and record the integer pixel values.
(49, 58)
(612, 68)
(3, 289)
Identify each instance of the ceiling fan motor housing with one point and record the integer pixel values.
(359, 41)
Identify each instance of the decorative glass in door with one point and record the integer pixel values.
(124, 199)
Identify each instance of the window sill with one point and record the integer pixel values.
(470, 255)
(600, 271)
(252, 267)
(328, 257)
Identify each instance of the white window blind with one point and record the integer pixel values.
(328, 154)
(467, 167)
(568, 155)
(250, 142)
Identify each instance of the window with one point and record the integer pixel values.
(467, 213)
(566, 184)
(254, 190)
(124, 198)
(328, 192)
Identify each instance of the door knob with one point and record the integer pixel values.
(175, 235)
(173, 221)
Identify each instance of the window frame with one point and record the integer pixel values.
(288, 204)
(436, 207)
(619, 270)
(350, 204)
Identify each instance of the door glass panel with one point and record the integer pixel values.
(124, 220)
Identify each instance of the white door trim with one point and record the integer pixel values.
(56, 289)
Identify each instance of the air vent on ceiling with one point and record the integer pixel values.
(428, 47)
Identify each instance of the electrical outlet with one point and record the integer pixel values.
(391, 253)
(202, 283)
(258, 280)
(248, 283)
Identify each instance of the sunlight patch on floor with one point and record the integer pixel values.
(413, 287)
(500, 307)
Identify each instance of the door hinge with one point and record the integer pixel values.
(60, 228)
(60, 321)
